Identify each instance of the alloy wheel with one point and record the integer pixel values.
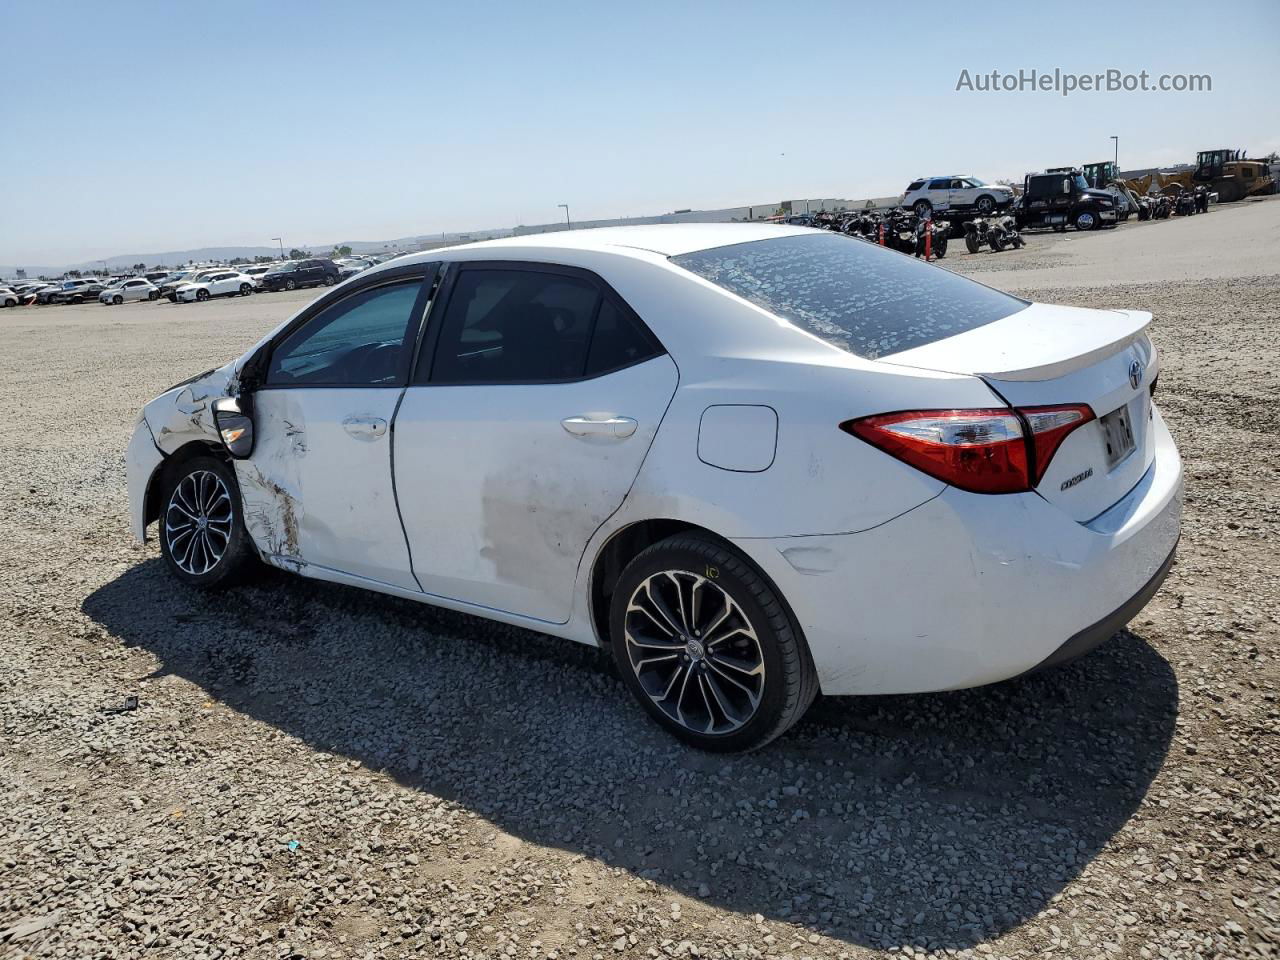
(197, 522)
(694, 652)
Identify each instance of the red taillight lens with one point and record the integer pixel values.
(1049, 427)
(998, 450)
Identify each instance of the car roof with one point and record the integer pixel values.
(666, 239)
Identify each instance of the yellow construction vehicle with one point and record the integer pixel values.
(1228, 173)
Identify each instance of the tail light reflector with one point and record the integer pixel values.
(990, 450)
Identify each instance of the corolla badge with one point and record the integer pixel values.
(1135, 374)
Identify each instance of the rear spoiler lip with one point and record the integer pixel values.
(929, 358)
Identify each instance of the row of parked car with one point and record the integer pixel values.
(187, 285)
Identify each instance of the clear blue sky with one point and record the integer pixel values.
(137, 127)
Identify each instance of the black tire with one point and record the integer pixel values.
(238, 558)
(173, 298)
(985, 205)
(202, 295)
(1086, 220)
(923, 209)
(789, 682)
(329, 280)
(153, 294)
(117, 299)
(290, 285)
(940, 245)
(971, 242)
(245, 289)
(997, 242)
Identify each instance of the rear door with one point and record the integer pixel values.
(529, 415)
(940, 193)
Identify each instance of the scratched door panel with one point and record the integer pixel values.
(499, 498)
(318, 490)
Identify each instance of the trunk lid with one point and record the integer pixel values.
(1047, 355)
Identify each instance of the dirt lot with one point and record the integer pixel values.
(311, 771)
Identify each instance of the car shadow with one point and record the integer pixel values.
(936, 821)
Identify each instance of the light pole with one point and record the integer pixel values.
(567, 223)
(281, 242)
(1117, 140)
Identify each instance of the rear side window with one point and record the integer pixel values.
(915, 185)
(532, 326)
(855, 295)
(940, 184)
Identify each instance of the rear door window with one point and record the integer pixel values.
(855, 295)
(508, 325)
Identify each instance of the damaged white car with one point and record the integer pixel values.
(754, 462)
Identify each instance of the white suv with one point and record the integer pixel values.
(215, 283)
(955, 195)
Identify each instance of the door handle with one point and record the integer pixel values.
(619, 428)
(365, 428)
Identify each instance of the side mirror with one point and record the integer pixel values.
(235, 427)
(1066, 185)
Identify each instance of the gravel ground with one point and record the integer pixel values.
(310, 771)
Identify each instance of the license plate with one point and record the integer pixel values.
(1117, 431)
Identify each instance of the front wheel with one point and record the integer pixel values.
(202, 535)
(330, 280)
(706, 645)
(997, 242)
(940, 245)
(245, 289)
(117, 299)
(153, 295)
(1085, 220)
(202, 295)
(290, 285)
(971, 242)
(986, 206)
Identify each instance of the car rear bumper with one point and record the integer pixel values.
(141, 460)
(966, 589)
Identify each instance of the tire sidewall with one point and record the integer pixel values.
(239, 547)
(675, 557)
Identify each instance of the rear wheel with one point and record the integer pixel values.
(923, 209)
(290, 285)
(705, 644)
(202, 535)
(330, 280)
(997, 241)
(939, 245)
(971, 242)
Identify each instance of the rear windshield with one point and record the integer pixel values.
(855, 295)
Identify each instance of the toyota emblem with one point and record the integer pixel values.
(1135, 374)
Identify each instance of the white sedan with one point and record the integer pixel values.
(220, 283)
(135, 288)
(753, 462)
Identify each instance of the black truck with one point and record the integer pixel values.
(1060, 198)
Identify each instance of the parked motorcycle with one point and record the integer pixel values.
(997, 232)
(936, 231)
(1185, 205)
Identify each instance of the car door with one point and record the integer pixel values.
(133, 290)
(962, 195)
(318, 488)
(940, 193)
(529, 415)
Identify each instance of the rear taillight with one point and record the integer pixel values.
(998, 450)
